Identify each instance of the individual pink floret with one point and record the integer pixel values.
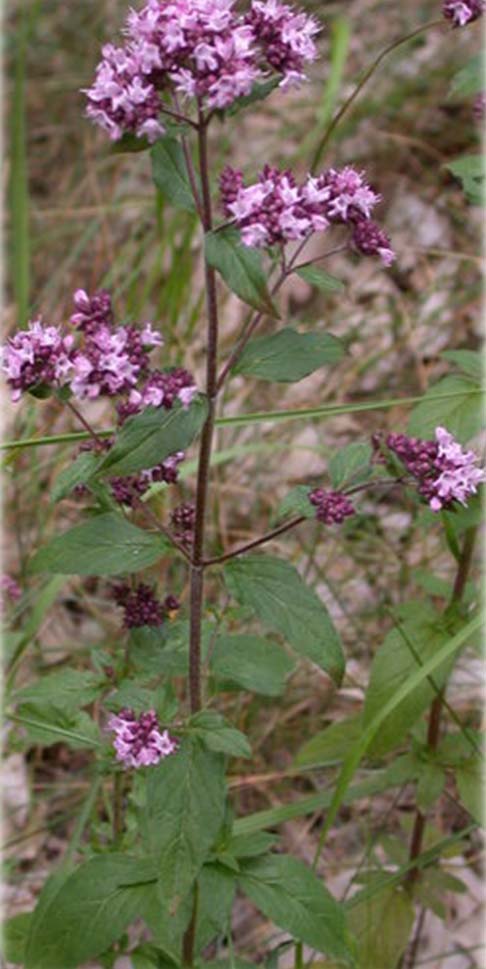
(462, 12)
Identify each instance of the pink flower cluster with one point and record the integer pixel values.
(37, 357)
(462, 12)
(105, 360)
(445, 473)
(204, 49)
(112, 358)
(122, 100)
(276, 209)
(332, 507)
(138, 740)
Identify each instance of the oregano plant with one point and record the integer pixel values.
(158, 881)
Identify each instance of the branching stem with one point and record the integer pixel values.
(256, 542)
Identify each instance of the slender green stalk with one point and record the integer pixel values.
(328, 133)
(306, 413)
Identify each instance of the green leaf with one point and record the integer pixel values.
(217, 888)
(296, 502)
(215, 901)
(470, 779)
(66, 688)
(149, 438)
(253, 663)
(393, 665)
(461, 414)
(282, 600)
(129, 144)
(429, 669)
(332, 744)
(292, 896)
(104, 545)
(169, 173)
(79, 916)
(469, 169)
(240, 267)
(250, 845)
(259, 92)
(470, 79)
(350, 464)
(167, 927)
(182, 817)
(48, 724)
(288, 356)
(130, 694)
(382, 926)
(13, 935)
(166, 649)
(148, 956)
(469, 361)
(430, 785)
(77, 473)
(216, 734)
(320, 279)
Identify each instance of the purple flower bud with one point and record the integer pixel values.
(91, 311)
(126, 490)
(332, 507)
(171, 604)
(182, 520)
(230, 183)
(372, 241)
(138, 740)
(140, 605)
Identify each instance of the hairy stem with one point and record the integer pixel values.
(197, 567)
(197, 560)
(366, 76)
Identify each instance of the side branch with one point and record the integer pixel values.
(256, 542)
